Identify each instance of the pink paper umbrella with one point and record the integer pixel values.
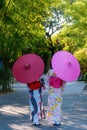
(65, 65)
(28, 68)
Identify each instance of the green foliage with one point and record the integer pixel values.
(81, 55)
(74, 32)
(85, 76)
(21, 29)
(5, 82)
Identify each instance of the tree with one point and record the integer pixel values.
(81, 55)
(74, 32)
(53, 24)
(21, 29)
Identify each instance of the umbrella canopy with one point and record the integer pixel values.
(65, 65)
(28, 68)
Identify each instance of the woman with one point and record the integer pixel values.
(35, 101)
(56, 87)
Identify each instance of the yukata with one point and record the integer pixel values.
(54, 99)
(36, 103)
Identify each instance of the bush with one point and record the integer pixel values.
(5, 75)
(81, 55)
(85, 76)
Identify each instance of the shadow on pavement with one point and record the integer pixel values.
(14, 112)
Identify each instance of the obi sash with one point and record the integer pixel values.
(55, 82)
(35, 85)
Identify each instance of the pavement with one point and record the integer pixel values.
(14, 109)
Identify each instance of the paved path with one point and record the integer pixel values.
(14, 109)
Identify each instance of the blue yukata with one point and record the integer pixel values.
(35, 101)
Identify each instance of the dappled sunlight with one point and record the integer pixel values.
(14, 110)
(75, 125)
(75, 121)
(20, 126)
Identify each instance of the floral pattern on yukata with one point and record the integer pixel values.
(54, 104)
